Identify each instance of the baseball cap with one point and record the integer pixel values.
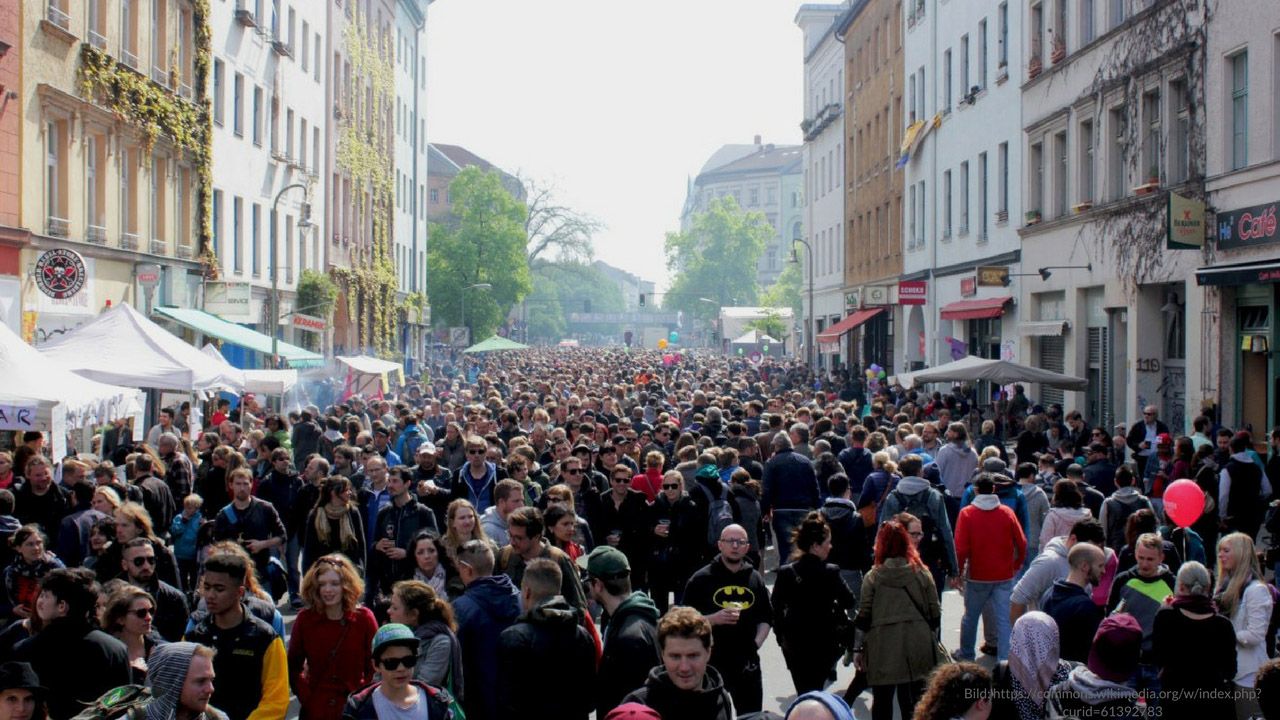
(605, 562)
(394, 634)
(427, 447)
(381, 431)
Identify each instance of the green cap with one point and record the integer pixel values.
(708, 472)
(605, 561)
(394, 634)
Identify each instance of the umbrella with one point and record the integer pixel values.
(494, 344)
(1001, 372)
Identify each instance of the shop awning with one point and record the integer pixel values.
(214, 326)
(1043, 328)
(1264, 271)
(976, 309)
(833, 333)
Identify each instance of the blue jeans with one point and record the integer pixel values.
(784, 522)
(976, 596)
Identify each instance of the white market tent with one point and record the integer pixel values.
(37, 390)
(368, 375)
(261, 382)
(1000, 372)
(123, 347)
(754, 337)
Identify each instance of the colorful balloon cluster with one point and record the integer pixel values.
(875, 372)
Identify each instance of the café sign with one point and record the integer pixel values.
(1245, 227)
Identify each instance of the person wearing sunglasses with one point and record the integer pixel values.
(129, 616)
(623, 522)
(476, 478)
(675, 525)
(138, 560)
(398, 695)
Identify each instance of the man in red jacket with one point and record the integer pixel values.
(990, 547)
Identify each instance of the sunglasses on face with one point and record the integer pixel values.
(475, 451)
(395, 663)
(142, 613)
(671, 487)
(144, 560)
(622, 479)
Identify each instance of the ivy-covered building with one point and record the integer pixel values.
(107, 158)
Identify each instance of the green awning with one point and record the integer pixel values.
(494, 344)
(214, 326)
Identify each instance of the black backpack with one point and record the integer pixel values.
(931, 548)
(722, 512)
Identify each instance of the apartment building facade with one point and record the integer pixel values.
(410, 215)
(268, 75)
(960, 163)
(1108, 91)
(96, 193)
(872, 34)
(823, 128)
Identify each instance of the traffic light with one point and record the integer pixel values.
(641, 299)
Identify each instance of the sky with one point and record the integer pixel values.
(617, 105)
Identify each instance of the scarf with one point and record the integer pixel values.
(1034, 654)
(346, 530)
(1197, 604)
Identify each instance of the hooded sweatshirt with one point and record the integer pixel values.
(495, 527)
(1083, 693)
(1048, 567)
(166, 674)
(1059, 521)
(1116, 510)
(986, 532)
(550, 629)
(956, 463)
(710, 702)
(630, 650)
(487, 607)
(1142, 598)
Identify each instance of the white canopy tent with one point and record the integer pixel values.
(123, 347)
(369, 375)
(261, 382)
(754, 337)
(1000, 372)
(40, 394)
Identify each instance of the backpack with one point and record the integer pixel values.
(931, 547)
(407, 447)
(126, 701)
(720, 513)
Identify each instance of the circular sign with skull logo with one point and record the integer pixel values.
(60, 273)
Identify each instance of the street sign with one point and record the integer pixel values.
(459, 336)
(993, 276)
(309, 323)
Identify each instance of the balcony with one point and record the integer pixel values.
(159, 247)
(185, 91)
(96, 234)
(245, 18)
(57, 227)
(129, 241)
(186, 252)
(160, 76)
(129, 60)
(282, 48)
(97, 40)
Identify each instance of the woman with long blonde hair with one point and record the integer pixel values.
(462, 524)
(330, 650)
(1242, 595)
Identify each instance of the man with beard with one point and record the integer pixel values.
(250, 521)
(138, 560)
(433, 481)
(732, 596)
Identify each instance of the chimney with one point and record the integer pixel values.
(757, 140)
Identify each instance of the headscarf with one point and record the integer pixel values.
(835, 704)
(166, 674)
(1034, 653)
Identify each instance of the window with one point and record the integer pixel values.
(964, 65)
(1115, 153)
(435, 196)
(129, 32)
(215, 222)
(288, 134)
(288, 244)
(921, 226)
(1239, 110)
(237, 232)
(911, 98)
(1087, 143)
(159, 46)
(55, 176)
(1086, 22)
(186, 43)
(922, 110)
(982, 54)
(316, 60)
(911, 218)
(1060, 26)
(257, 116)
(158, 186)
(946, 204)
(1151, 156)
(98, 24)
(1035, 194)
(964, 197)
(237, 106)
(1179, 169)
(315, 150)
(255, 244)
(946, 80)
(218, 72)
(1060, 174)
(273, 133)
(1002, 37)
(183, 207)
(1002, 187)
(302, 143)
(1117, 12)
(306, 37)
(755, 197)
(95, 185)
(1037, 33)
(982, 197)
(128, 194)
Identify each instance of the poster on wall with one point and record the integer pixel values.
(65, 282)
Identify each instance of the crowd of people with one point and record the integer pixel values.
(556, 533)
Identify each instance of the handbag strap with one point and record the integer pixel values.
(333, 654)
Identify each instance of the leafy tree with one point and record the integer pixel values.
(771, 324)
(483, 242)
(787, 290)
(563, 288)
(316, 293)
(716, 259)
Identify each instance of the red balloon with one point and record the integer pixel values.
(1183, 502)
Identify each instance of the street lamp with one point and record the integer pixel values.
(477, 286)
(809, 339)
(303, 224)
(1044, 271)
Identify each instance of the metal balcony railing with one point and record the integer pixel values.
(159, 247)
(96, 234)
(57, 227)
(129, 241)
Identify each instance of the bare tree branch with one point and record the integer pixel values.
(556, 231)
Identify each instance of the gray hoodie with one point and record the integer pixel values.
(1049, 566)
(495, 527)
(166, 674)
(956, 463)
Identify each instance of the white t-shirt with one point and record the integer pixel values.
(388, 710)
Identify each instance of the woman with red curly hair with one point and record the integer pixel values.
(898, 616)
(330, 653)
